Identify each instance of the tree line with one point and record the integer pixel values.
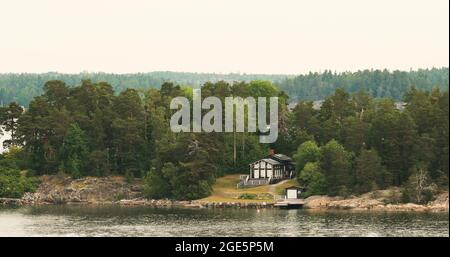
(377, 83)
(22, 88)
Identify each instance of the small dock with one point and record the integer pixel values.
(290, 204)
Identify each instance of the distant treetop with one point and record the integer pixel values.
(23, 87)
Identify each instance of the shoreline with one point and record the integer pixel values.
(315, 204)
(115, 190)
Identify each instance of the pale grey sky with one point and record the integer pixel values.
(252, 36)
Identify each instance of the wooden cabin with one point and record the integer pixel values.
(273, 167)
(270, 169)
(266, 168)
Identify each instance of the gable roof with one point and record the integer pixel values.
(271, 161)
(280, 157)
(295, 187)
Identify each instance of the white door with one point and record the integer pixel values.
(292, 193)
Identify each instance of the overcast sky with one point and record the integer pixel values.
(252, 36)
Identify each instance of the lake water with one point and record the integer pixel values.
(145, 221)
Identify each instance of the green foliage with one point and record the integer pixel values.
(313, 179)
(13, 184)
(8, 119)
(192, 181)
(352, 144)
(155, 185)
(185, 169)
(335, 163)
(369, 144)
(370, 174)
(306, 152)
(23, 87)
(13, 158)
(75, 151)
(262, 88)
(378, 83)
(129, 176)
(355, 133)
(248, 196)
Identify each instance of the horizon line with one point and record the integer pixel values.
(230, 73)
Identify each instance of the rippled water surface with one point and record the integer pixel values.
(144, 221)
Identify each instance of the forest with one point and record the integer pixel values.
(22, 88)
(354, 143)
(377, 83)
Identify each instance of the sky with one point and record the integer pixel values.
(222, 36)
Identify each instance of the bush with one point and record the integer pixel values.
(419, 188)
(155, 185)
(248, 196)
(12, 158)
(13, 184)
(344, 191)
(129, 176)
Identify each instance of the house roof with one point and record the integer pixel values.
(271, 161)
(281, 157)
(294, 187)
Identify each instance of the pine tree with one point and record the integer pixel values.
(335, 163)
(370, 174)
(75, 151)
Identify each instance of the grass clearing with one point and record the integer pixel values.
(224, 190)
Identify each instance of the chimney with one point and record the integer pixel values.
(271, 152)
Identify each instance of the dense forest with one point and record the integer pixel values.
(353, 144)
(356, 144)
(377, 83)
(21, 88)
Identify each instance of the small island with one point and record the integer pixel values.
(351, 151)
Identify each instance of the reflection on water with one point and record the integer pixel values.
(145, 221)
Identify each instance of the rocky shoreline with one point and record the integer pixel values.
(117, 191)
(312, 203)
(364, 203)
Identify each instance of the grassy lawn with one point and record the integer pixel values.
(224, 190)
(280, 188)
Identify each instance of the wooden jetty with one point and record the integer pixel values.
(291, 200)
(290, 203)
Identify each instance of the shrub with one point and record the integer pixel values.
(129, 176)
(248, 196)
(419, 188)
(155, 185)
(13, 184)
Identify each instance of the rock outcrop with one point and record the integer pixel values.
(61, 189)
(381, 200)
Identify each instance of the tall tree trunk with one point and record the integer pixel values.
(243, 145)
(234, 148)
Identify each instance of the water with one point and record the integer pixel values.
(146, 221)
